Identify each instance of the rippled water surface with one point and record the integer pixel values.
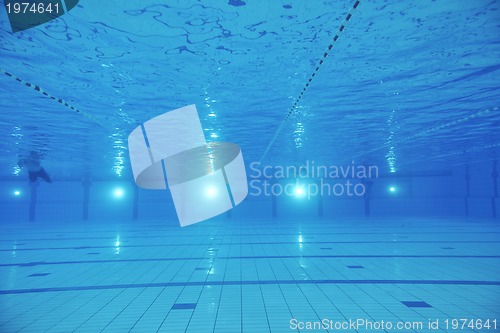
(409, 86)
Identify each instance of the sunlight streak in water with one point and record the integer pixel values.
(18, 136)
(391, 154)
(119, 159)
(117, 244)
(298, 134)
(212, 117)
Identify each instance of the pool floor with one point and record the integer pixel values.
(251, 276)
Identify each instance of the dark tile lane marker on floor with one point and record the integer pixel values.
(249, 243)
(184, 306)
(38, 274)
(416, 304)
(37, 263)
(240, 283)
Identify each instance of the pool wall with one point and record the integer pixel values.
(449, 193)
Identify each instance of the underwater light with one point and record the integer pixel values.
(299, 191)
(211, 192)
(17, 193)
(118, 193)
(392, 189)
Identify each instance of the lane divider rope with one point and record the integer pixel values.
(293, 109)
(426, 132)
(59, 100)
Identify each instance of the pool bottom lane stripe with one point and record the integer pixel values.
(247, 282)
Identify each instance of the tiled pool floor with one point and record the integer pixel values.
(250, 276)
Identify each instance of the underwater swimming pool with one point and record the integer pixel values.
(232, 276)
(333, 166)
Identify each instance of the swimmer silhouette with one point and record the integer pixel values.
(35, 169)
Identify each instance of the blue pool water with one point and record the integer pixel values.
(370, 135)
